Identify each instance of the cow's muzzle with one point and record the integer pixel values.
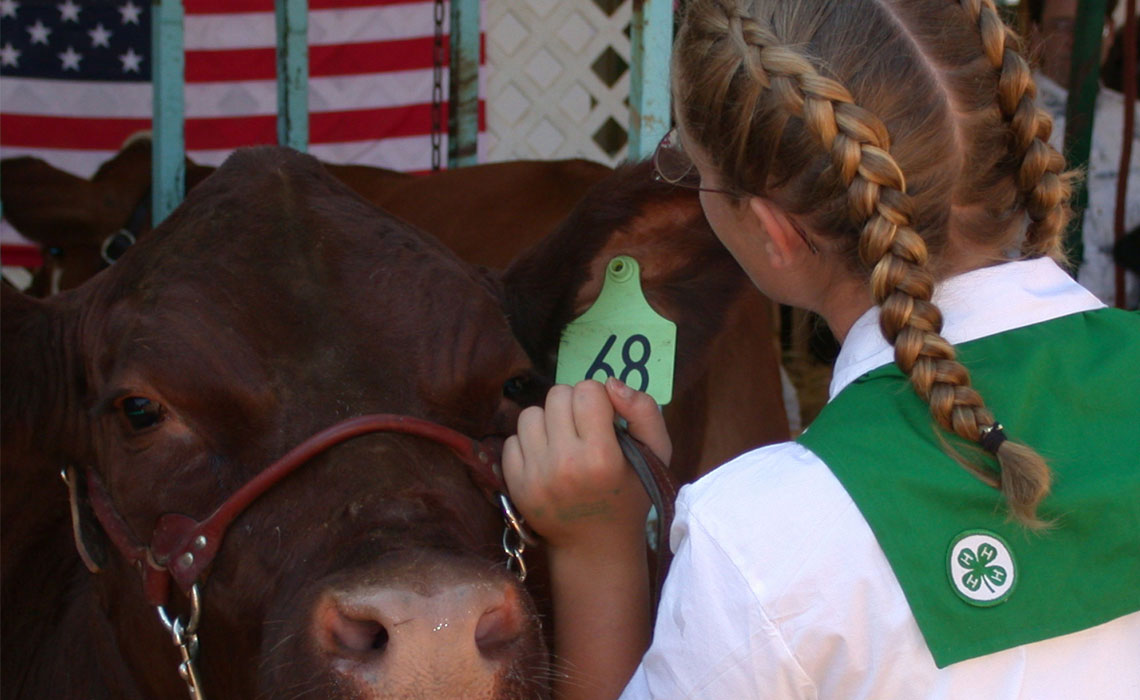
(181, 548)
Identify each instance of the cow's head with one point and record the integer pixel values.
(82, 225)
(272, 304)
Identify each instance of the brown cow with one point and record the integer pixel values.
(486, 213)
(272, 304)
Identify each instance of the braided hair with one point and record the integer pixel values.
(898, 131)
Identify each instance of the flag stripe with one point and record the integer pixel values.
(20, 255)
(84, 133)
(239, 6)
(345, 59)
(326, 27)
(71, 97)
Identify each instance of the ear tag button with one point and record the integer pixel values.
(621, 336)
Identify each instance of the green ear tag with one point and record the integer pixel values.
(621, 336)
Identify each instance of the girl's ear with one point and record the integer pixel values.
(784, 244)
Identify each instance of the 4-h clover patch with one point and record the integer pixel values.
(981, 567)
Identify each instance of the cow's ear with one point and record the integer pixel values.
(33, 392)
(27, 346)
(40, 372)
(41, 377)
(726, 381)
(47, 205)
(686, 274)
(126, 178)
(123, 181)
(196, 173)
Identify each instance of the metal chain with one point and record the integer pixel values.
(186, 639)
(438, 57)
(516, 536)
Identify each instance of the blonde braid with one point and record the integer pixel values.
(902, 285)
(1045, 186)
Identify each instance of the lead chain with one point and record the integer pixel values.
(186, 639)
(514, 548)
(438, 58)
(516, 535)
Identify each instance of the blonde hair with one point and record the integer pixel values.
(895, 130)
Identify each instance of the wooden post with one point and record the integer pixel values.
(651, 45)
(293, 73)
(463, 87)
(1084, 74)
(168, 73)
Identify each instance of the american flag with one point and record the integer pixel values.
(75, 81)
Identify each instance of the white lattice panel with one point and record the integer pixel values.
(545, 99)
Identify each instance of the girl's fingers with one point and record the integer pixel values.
(566, 471)
(593, 413)
(532, 435)
(560, 429)
(643, 416)
(512, 463)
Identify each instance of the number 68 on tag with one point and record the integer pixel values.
(621, 336)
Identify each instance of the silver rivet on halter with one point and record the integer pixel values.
(483, 457)
(200, 542)
(186, 561)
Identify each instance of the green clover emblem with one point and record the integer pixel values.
(979, 569)
(972, 563)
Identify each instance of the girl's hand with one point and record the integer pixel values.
(566, 471)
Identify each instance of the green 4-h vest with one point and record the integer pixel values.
(976, 581)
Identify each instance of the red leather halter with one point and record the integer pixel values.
(181, 548)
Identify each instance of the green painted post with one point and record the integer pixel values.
(1084, 74)
(293, 73)
(463, 87)
(651, 41)
(168, 72)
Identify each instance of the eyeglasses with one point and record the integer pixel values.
(672, 165)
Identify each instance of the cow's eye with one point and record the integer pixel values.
(526, 389)
(514, 387)
(141, 412)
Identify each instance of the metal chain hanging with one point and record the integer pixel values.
(185, 637)
(516, 536)
(438, 57)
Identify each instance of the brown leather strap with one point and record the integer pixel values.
(662, 489)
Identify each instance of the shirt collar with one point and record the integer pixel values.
(974, 304)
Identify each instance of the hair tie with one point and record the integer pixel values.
(991, 437)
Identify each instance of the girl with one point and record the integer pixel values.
(882, 163)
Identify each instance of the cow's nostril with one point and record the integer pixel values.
(498, 628)
(380, 639)
(355, 635)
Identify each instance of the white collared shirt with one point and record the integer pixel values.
(779, 589)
